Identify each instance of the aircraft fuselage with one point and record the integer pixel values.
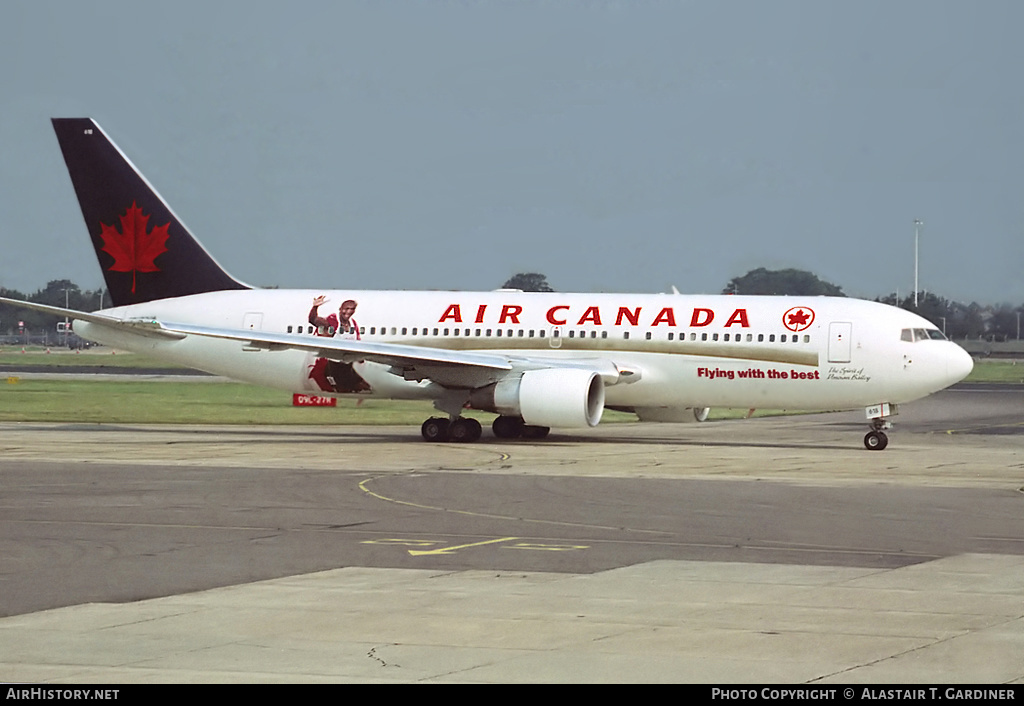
(680, 350)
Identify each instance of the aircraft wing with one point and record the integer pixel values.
(140, 327)
(450, 368)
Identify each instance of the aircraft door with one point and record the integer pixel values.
(555, 337)
(840, 337)
(252, 321)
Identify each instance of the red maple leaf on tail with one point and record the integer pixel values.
(133, 249)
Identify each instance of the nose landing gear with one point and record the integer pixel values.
(876, 440)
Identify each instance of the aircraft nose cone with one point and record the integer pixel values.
(959, 365)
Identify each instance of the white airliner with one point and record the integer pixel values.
(538, 360)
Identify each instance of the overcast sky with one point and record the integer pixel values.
(613, 146)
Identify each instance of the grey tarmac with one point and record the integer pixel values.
(773, 550)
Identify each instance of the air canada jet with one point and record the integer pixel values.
(537, 360)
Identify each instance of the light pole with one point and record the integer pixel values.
(917, 227)
(66, 306)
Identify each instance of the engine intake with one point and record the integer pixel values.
(551, 397)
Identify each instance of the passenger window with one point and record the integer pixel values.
(648, 336)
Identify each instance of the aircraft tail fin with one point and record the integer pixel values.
(145, 251)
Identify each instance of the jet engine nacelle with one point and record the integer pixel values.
(552, 397)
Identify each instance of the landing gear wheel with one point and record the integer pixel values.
(507, 427)
(532, 432)
(875, 440)
(435, 429)
(464, 430)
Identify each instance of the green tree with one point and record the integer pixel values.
(974, 320)
(936, 309)
(956, 320)
(1002, 326)
(58, 292)
(780, 282)
(528, 282)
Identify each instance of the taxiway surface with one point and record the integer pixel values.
(773, 549)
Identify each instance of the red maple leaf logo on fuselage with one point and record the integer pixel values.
(798, 318)
(133, 249)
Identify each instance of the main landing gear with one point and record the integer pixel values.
(514, 427)
(460, 429)
(466, 430)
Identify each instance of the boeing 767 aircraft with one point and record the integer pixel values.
(537, 360)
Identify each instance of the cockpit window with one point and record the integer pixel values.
(922, 334)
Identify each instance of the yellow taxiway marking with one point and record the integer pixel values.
(449, 550)
(403, 542)
(549, 547)
(536, 546)
(364, 486)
